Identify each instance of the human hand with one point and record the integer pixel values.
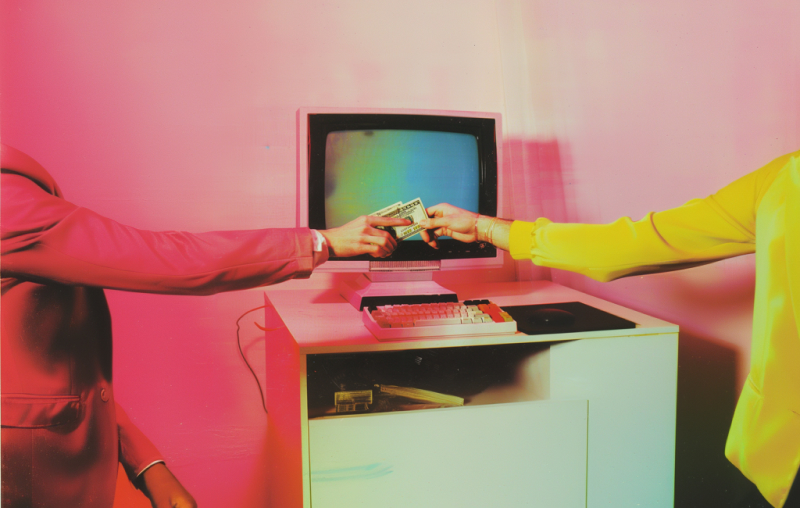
(449, 220)
(360, 236)
(164, 490)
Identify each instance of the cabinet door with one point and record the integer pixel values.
(520, 454)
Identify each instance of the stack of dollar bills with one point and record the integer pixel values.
(413, 211)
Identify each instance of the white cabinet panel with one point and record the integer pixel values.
(521, 454)
(631, 385)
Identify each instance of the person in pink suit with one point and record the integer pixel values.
(62, 433)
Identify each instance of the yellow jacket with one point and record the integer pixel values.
(764, 438)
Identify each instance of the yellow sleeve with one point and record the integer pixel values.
(698, 232)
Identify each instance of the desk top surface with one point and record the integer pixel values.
(321, 321)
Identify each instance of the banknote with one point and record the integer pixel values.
(387, 212)
(413, 211)
(383, 212)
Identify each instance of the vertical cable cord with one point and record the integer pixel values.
(241, 352)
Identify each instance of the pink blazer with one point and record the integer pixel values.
(62, 433)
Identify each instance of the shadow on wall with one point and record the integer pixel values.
(703, 475)
(541, 179)
(540, 186)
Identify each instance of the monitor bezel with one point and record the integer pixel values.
(485, 127)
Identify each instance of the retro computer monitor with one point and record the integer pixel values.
(353, 162)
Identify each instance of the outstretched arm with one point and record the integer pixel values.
(45, 237)
(700, 231)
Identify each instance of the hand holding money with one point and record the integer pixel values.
(465, 226)
(362, 236)
(413, 211)
(448, 220)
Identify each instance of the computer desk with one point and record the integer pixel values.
(589, 419)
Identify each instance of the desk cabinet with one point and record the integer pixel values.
(549, 420)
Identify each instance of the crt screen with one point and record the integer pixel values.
(366, 170)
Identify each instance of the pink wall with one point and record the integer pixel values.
(181, 115)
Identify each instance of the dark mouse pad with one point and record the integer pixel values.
(564, 317)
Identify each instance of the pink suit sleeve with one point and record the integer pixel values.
(45, 237)
(136, 452)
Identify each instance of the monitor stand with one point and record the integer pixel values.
(397, 282)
